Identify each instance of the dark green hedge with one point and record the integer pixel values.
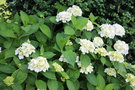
(108, 11)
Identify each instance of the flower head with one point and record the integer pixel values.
(86, 46)
(25, 50)
(119, 30)
(86, 70)
(75, 10)
(116, 56)
(107, 30)
(69, 43)
(89, 26)
(57, 67)
(110, 72)
(101, 51)
(9, 80)
(131, 78)
(38, 64)
(63, 16)
(98, 42)
(121, 47)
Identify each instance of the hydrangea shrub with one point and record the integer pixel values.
(63, 52)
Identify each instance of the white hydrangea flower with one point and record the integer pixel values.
(98, 42)
(57, 67)
(110, 72)
(86, 70)
(131, 78)
(116, 56)
(63, 16)
(38, 64)
(75, 10)
(101, 51)
(89, 26)
(63, 59)
(69, 43)
(107, 30)
(25, 50)
(86, 46)
(119, 30)
(121, 47)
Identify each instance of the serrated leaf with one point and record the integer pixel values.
(49, 75)
(100, 82)
(92, 79)
(7, 68)
(69, 30)
(41, 85)
(24, 18)
(52, 84)
(109, 87)
(85, 60)
(20, 76)
(70, 56)
(70, 85)
(49, 55)
(46, 30)
(16, 86)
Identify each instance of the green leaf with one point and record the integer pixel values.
(70, 85)
(81, 23)
(100, 82)
(90, 87)
(61, 40)
(16, 86)
(65, 75)
(10, 52)
(85, 60)
(49, 55)
(41, 85)
(70, 56)
(92, 17)
(6, 32)
(109, 87)
(92, 79)
(7, 68)
(74, 74)
(69, 30)
(60, 7)
(24, 18)
(53, 19)
(46, 30)
(74, 20)
(103, 60)
(52, 84)
(19, 76)
(41, 37)
(49, 75)
(30, 30)
(41, 50)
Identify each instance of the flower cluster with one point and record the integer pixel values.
(65, 16)
(38, 64)
(121, 47)
(9, 80)
(110, 71)
(109, 31)
(86, 46)
(98, 42)
(131, 78)
(102, 51)
(57, 67)
(86, 70)
(119, 30)
(25, 50)
(75, 10)
(116, 56)
(69, 43)
(89, 26)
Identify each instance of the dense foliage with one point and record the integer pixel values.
(116, 11)
(64, 51)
